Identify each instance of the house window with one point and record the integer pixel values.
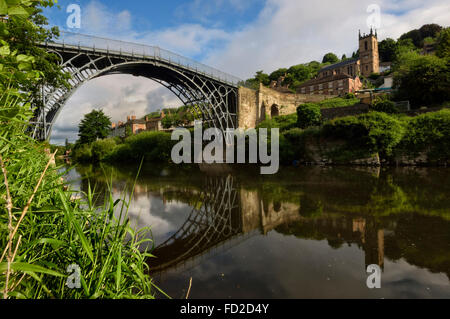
(303, 90)
(330, 85)
(365, 45)
(311, 88)
(340, 83)
(320, 86)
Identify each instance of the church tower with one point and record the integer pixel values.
(368, 53)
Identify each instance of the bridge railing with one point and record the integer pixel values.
(146, 51)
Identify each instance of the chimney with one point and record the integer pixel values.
(113, 125)
(128, 118)
(163, 115)
(133, 117)
(146, 119)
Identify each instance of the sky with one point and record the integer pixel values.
(239, 37)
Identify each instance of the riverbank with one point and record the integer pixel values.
(371, 139)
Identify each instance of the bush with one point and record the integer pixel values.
(82, 153)
(349, 100)
(153, 146)
(308, 114)
(429, 132)
(101, 148)
(385, 106)
(292, 146)
(283, 122)
(374, 132)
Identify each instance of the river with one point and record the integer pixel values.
(307, 232)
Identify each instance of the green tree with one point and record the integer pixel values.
(387, 49)
(424, 80)
(330, 58)
(24, 28)
(443, 46)
(95, 125)
(308, 114)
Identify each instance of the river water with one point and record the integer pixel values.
(306, 232)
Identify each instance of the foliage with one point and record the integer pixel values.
(152, 146)
(429, 132)
(424, 80)
(101, 148)
(93, 126)
(43, 231)
(284, 123)
(348, 100)
(383, 104)
(387, 50)
(374, 132)
(33, 66)
(308, 114)
(417, 36)
(443, 44)
(330, 58)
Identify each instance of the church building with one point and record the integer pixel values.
(344, 77)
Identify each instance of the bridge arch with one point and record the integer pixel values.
(212, 92)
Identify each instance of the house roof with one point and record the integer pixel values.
(338, 65)
(326, 79)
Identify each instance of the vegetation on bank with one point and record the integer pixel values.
(46, 234)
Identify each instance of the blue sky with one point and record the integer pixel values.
(239, 37)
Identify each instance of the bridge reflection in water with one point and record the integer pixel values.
(225, 213)
(307, 232)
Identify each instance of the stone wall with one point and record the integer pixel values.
(257, 106)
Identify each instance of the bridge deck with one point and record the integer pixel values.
(76, 41)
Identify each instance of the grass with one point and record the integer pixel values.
(44, 232)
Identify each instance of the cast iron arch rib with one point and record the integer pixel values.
(84, 57)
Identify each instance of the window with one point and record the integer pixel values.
(320, 86)
(330, 85)
(365, 45)
(303, 90)
(341, 83)
(311, 88)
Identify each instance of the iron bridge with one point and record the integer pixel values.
(214, 94)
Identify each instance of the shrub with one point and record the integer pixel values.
(339, 102)
(308, 114)
(429, 132)
(82, 153)
(283, 122)
(374, 131)
(101, 148)
(153, 146)
(292, 146)
(385, 106)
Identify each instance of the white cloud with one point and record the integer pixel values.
(290, 32)
(118, 96)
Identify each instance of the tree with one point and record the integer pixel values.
(308, 114)
(330, 58)
(443, 44)
(424, 80)
(25, 26)
(95, 125)
(387, 49)
(344, 57)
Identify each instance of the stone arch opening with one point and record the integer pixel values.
(274, 111)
